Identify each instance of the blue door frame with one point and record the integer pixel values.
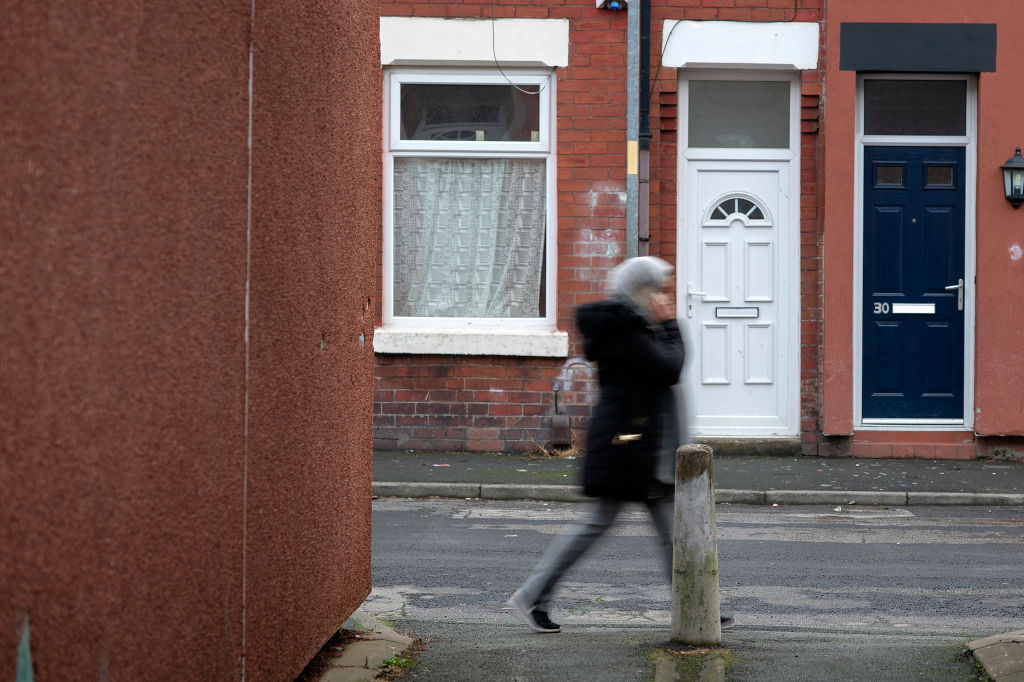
(913, 317)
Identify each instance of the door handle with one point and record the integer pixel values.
(959, 286)
(691, 293)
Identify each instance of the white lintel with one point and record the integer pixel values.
(448, 42)
(740, 44)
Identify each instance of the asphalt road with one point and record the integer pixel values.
(819, 593)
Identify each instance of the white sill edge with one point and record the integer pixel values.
(418, 341)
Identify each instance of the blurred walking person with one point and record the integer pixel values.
(635, 428)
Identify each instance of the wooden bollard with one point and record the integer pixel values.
(696, 605)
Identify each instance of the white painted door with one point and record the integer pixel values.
(736, 300)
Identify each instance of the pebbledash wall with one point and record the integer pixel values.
(464, 391)
(187, 250)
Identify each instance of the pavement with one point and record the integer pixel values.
(1002, 656)
(368, 649)
(740, 479)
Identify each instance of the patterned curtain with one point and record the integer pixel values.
(469, 237)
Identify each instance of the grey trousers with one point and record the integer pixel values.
(572, 544)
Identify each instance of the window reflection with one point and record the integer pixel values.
(469, 113)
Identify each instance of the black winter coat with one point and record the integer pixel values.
(637, 364)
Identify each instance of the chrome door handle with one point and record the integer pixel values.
(959, 286)
(690, 294)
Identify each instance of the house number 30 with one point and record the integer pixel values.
(881, 308)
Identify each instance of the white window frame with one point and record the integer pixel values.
(454, 335)
(969, 143)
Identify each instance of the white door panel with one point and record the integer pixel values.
(736, 218)
(715, 263)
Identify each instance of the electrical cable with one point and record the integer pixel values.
(494, 53)
(654, 80)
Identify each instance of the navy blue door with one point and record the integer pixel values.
(913, 319)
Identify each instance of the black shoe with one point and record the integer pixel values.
(545, 623)
(728, 622)
(536, 619)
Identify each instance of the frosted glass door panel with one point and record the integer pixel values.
(739, 114)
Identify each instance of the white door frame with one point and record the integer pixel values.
(969, 143)
(789, 277)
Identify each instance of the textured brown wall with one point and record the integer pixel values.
(155, 468)
(316, 172)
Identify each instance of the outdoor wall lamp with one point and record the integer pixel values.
(1013, 179)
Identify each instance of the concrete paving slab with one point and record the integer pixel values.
(1017, 637)
(402, 641)
(349, 675)
(1000, 660)
(759, 447)
(367, 653)
(1002, 656)
(362, 656)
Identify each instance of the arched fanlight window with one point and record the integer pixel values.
(732, 208)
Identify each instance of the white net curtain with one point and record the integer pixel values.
(468, 237)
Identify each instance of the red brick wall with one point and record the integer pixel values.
(484, 403)
(467, 403)
(812, 220)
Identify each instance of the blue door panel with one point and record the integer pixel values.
(913, 249)
(939, 245)
(942, 375)
(889, 368)
(888, 251)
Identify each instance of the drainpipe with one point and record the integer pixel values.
(632, 126)
(644, 175)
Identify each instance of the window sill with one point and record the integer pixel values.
(420, 341)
